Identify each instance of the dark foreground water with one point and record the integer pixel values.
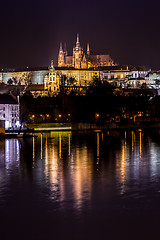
(81, 186)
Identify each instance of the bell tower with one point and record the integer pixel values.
(52, 80)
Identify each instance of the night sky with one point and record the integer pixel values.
(32, 30)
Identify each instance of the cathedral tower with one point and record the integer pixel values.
(61, 57)
(77, 54)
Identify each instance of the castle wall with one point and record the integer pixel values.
(1, 77)
(83, 77)
(37, 77)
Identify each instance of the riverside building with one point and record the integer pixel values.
(9, 111)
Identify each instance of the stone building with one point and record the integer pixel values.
(81, 60)
(9, 111)
(49, 77)
(124, 76)
(153, 79)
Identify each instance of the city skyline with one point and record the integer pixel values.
(31, 32)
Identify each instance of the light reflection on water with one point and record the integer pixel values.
(82, 173)
(69, 176)
(67, 165)
(56, 150)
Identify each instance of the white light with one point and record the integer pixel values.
(6, 124)
(52, 128)
(18, 124)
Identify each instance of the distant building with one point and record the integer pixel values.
(9, 111)
(115, 75)
(36, 90)
(153, 79)
(124, 76)
(81, 60)
(136, 78)
(138, 72)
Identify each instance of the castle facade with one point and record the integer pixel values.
(81, 60)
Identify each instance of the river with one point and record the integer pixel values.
(80, 185)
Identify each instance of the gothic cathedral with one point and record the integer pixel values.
(81, 60)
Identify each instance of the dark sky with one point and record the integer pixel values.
(32, 30)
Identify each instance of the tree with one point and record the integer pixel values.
(63, 79)
(144, 86)
(72, 81)
(14, 80)
(26, 78)
(10, 81)
(98, 87)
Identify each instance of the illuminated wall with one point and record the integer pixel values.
(83, 77)
(37, 77)
(153, 79)
(114, 74)
(10, 114)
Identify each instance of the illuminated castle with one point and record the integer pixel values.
(81, 60)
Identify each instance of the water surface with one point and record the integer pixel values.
(80, 185)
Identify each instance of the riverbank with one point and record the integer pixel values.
(47, 127)
(91, 126)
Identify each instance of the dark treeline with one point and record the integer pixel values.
(102, 103)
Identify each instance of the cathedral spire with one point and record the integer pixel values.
(61, 56)
(77, 43)
(51, 67)
(88, 49)
(65, 49)
(52, 64)
(77, 37)
(61, 49)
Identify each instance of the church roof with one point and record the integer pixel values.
(103, 58)
(75, 69)
(114, 68)
(15, 89)
(68, 59)
(138, 68)
(35, 87)
(27, 69)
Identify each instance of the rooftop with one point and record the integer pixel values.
(35, 87)
(7, 99)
